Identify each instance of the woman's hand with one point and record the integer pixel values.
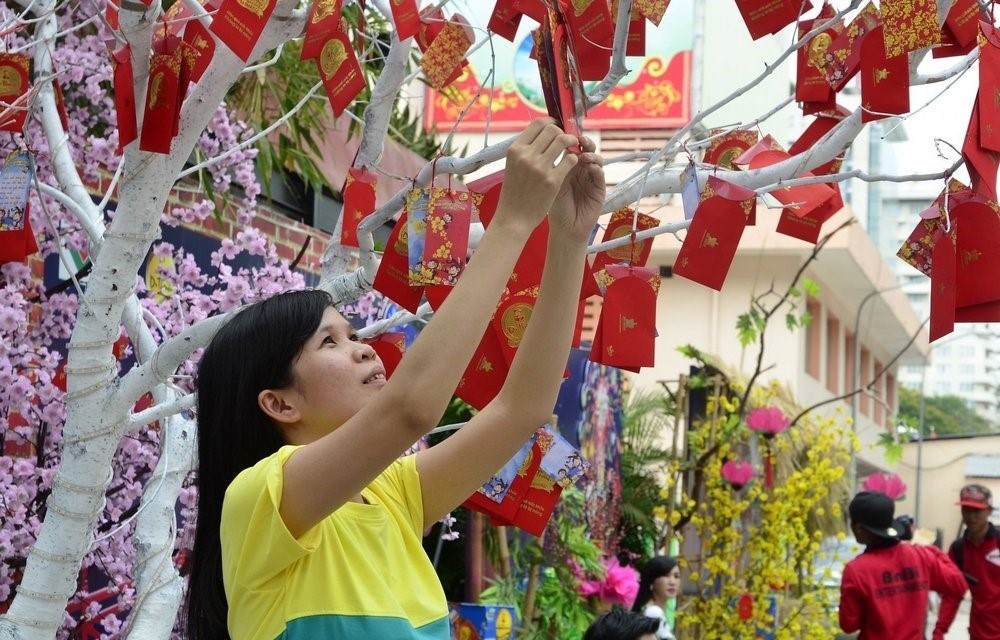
(580, 201)
(533, 178)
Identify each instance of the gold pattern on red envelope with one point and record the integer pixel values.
(406, 18)
(885, 81)
(810, 82)
(917, 249)
(239, 23)
(652, 10)
(963, 22)
(324, 22)
(844, 54)
(726, 147)
(989, 87)
(909, 25)
(14, 83)
(799, 200)
(445, 54)
(446, 244)
(161, 114)
(763, 17)
(338, 66)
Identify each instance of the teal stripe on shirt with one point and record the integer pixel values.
(337, 627)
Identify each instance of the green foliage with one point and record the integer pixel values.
(943, 415)
(892, 446)
(559, 610)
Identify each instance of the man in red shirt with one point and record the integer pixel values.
(883, 593)
(977, 554)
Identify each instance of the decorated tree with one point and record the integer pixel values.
(128, 104)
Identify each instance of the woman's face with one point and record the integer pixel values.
(334, 376)
(667, 586)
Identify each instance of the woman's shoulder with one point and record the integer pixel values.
(652, 611)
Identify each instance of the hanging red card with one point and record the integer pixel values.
(635, 45)
(392, 277)
(485, 374)
(799, 200)
(505, 19)
(637, 253)
(943, 285)
(539, 502)
(504, 511)
(810, 81)
(818, 128)
(963, 22)
(121, 63)
(567, 84)
(390, 348)
(160, 114)
(17, 244)
(14, 84)
(917, 249)
(727, 146)
(446, 243)
(359, 201)
(431, 24)
(763, 17)
(340, 72)
(446, 52)
(511, 320)
(589, 20)
(981, 163)
(534, 9)
(324, 22)
(201, 41)
(652, 10)
(977, 248)
(885, 82)
(989, 88)
(405, 17)
(711, 241)
(909, 25)
(628, 317)
(809, 226)
(949, 45)
(16, 175)
(486, 195)
(844, 54)
(239, 23)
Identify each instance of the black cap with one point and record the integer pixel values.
(874, 511)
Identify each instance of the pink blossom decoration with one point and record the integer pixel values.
(769, 421)
(737, 473)
(888, 483)
(618, 587)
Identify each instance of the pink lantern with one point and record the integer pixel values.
(769, 421)
(737, 473)
(888, 483)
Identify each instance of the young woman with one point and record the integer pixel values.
(309, 523)
(659, 580)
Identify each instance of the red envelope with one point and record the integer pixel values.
(443, 59)
(799, 200)
(565, 81)
(534, 9)
(340, 72)
(764, 17)
(393, 276)
(726, 147)
(989, 88)
(239, 23)
(819, 127)
(325, 21)
(711, 241)
(844, 54)
(909, 25)
(486, 195)
(201, 41)
(812, 108)
(14, 72)
(885, 82)
(589, 21)
(981, 163)
(652, 10)
(121, 63)
(808, 227)
(628, 317)
(446, 243)
(17, 244)
(159, 121)
(949, 46)
(390, 348)
(810, 81)
(636, 253)
(943, 285)
(431, 24)
(917, 249)
(511, 320)
(505, 19)
(536, 507)
(485, 374)
(359, 202)
(977, 249)
(503, 512)
(635, 45)
(962, 22)
(405, 17)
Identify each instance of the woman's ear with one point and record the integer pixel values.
(276, 406)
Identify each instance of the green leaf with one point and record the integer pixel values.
(791, 321)
(811, 288)
(795, 293)
(805, 319)
(745, 329)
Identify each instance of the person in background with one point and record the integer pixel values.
(977, 555)
(884, 591)
(619, 624)
(659, 580)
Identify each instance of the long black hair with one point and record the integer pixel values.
(657, 567)
(252, 352)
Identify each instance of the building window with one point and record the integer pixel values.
(833, 354)
(849, 383)
(814, 339)
(880, 394)
(866, 377)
